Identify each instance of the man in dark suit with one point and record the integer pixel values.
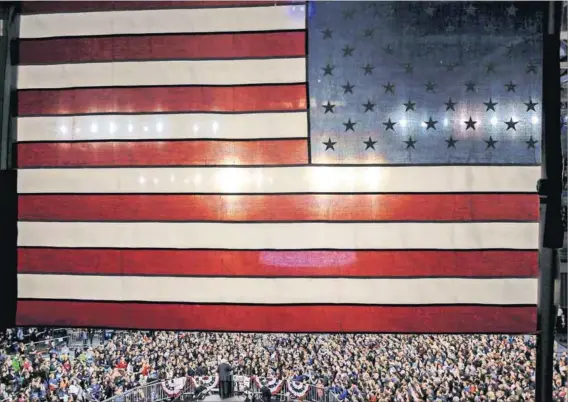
(225, 379)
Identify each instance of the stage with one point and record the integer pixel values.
(216, 398)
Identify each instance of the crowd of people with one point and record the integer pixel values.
(355, 368)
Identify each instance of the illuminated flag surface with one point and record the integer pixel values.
(357, 167)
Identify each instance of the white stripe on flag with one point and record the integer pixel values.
(156, 73)
(421, 291)
(237, 19)
(317, 179)
(163, 127)
(281, 236)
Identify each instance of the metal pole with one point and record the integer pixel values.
(8, 181)
(550, 191)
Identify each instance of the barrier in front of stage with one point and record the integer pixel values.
(157, 392)
(153, 392)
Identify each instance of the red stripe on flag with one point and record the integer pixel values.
(38, 7)
(160, 47)
(314, 207)
(490, 264)
(162, 99)
(415, 319)
(163, 153)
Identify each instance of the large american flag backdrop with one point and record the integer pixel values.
(357, 167)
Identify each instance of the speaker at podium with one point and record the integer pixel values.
(225, 373)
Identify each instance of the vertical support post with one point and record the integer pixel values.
(8, 73)
(550, 191)
(9, 15)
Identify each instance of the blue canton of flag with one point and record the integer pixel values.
(419, 83)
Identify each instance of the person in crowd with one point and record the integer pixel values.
(355, 368)
(265, 393)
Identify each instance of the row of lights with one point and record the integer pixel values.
(112, 128)
(231, 180)
(236, 180)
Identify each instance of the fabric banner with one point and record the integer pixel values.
(174, 387)
(395, 142)
(298, 389)
(209, 382)
(274, 384)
